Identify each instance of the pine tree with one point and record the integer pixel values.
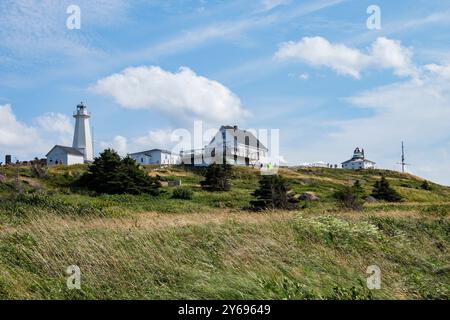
(358, 189)
(111, 175)
(383, 191)
(217, 177)
(273, 193)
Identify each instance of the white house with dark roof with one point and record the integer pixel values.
(230, 145)
(156, 156)
(358, 161)
(64, 155)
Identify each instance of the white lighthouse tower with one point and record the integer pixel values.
(82, 139)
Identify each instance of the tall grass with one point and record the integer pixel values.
(268, 256)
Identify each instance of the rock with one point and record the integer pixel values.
(175, 183)
(309, 196)
(371, 199)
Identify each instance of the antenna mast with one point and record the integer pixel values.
(403, 157)
(403, 163)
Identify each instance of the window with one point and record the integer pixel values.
(142, 160)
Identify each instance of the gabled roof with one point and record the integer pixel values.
(242, 133)
(357, 160)
(68, 150)
(148, 151)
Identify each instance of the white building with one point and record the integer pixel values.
(230, 145)
(82, 149)
(64, 155)
(358, 161)
(156, 156)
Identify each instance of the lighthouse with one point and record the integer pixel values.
(82, 139)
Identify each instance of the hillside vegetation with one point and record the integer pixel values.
(210, 245)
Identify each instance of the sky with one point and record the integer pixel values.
(313, 69)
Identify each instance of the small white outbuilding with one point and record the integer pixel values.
(61, 155)
(155, 156)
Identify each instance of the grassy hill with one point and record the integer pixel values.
(212, 247)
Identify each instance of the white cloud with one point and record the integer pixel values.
(389, 53)
(318, 51)
(26, 141)
(37, 29)
(439, 70)
(12, 132)
(227, 29)
(271, 4)
(55, 123)
(155, 139)
(301, 76)
(119, 144)
(180, 94)
(304, 76)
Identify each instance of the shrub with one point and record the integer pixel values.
(351, 197)
(182, 193)
(383, 191)
(112, 175)
(217, 177)
(38, 170)
(273, 193)
(426, 186)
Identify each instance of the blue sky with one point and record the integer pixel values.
(309, 68)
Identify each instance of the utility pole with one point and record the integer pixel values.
(403, 163)
(403, 157)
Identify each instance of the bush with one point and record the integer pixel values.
(426, 186)
(183, 194)
(273, 193)
(217, 177)
(112, 175)
(351, 197)
(383, 191)
(38, 170)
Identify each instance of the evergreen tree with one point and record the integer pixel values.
(217, 177)
(273, 193)
(111, 175)
(383, 191)
(358, 189)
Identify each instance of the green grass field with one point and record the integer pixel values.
(213, 247)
